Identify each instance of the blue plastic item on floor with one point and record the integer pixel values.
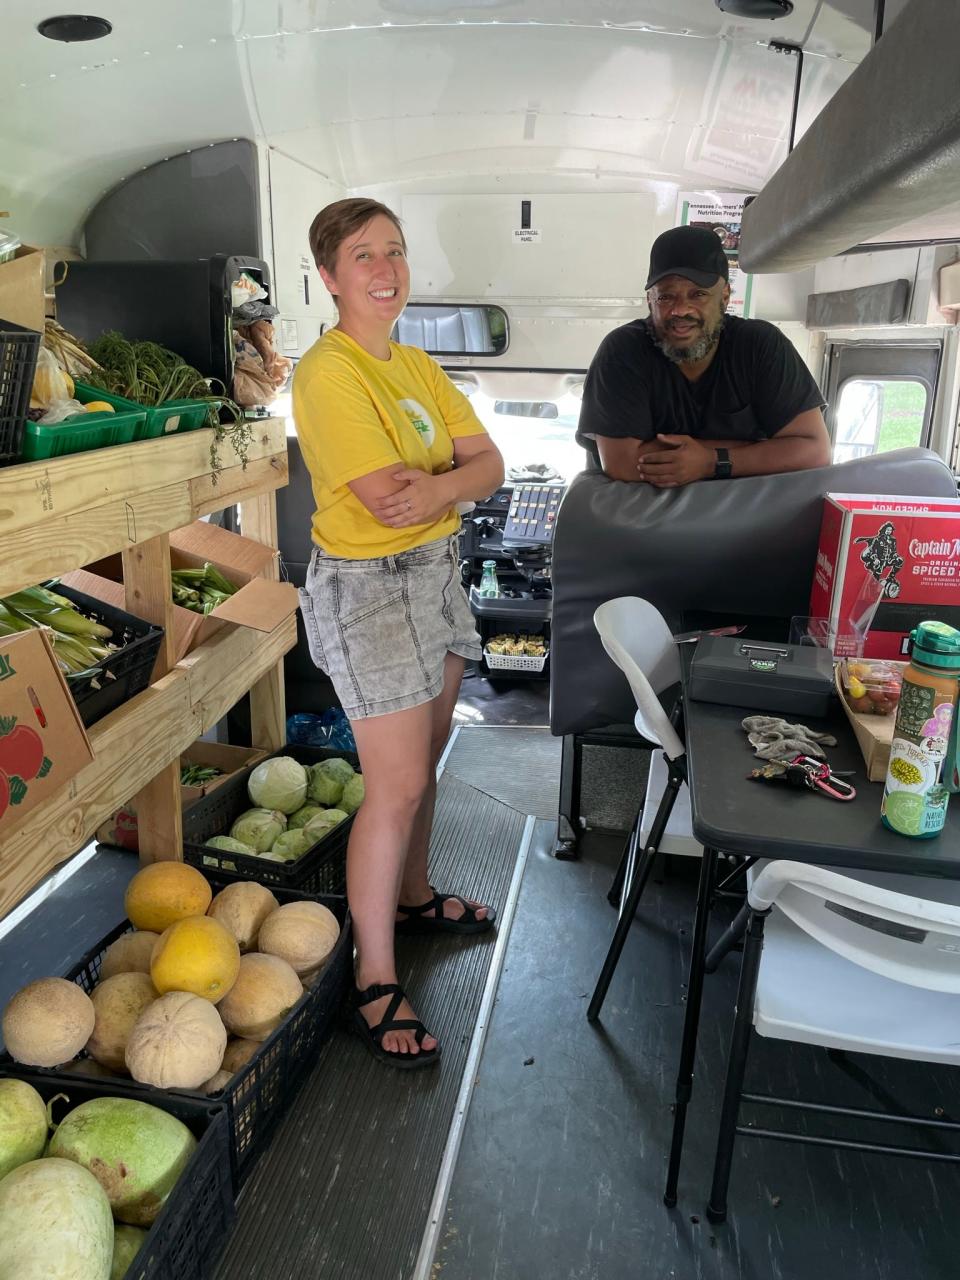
(329, 729)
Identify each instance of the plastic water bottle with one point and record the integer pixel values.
(488, 582)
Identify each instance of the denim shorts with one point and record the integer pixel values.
(381, 628)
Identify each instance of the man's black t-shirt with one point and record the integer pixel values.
(755, 384)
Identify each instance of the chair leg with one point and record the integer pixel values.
(615, 894)
(691, 1021)
(736, 1067)
(728, 940)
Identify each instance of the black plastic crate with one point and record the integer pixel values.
(192, 1227)
(322, 869)
(18, 363)
(127, 672)
(259, 1094)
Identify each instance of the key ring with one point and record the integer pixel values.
(820, 777)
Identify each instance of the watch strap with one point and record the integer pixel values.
(723, 468)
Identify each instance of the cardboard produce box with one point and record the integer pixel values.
(121, 829)
(260, 603)
(21, 288)
(43, 743)
(873, 733)
(897, 556)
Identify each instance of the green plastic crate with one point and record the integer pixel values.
(92, 431)
(178, 415)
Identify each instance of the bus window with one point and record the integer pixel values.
(876, 415)
(534, 432)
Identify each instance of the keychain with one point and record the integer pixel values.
(805, 771)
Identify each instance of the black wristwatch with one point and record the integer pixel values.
(723, 469)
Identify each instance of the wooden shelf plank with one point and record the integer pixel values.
(134, 744)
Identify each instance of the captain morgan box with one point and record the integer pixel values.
(895, 558)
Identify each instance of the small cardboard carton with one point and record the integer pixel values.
(886, 564)
(21, 288)
(260, 603)
(873, 733)
(121, 830)
(43, 743)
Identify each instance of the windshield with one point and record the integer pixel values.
(526, 441)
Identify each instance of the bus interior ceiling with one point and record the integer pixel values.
(587, 122)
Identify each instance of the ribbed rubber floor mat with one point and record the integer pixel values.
(520, 767)
(343, 1192)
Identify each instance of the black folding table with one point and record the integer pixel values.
(732, 815)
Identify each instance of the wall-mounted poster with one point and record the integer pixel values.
(721, 212)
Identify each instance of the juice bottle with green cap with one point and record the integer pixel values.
(923, 754)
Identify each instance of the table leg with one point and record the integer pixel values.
(688, 1048)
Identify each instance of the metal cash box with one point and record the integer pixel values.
(784, 678)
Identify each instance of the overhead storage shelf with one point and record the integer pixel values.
(880, 164)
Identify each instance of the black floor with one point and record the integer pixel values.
(503, 702)
(561, 1168)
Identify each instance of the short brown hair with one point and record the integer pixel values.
(336, 221)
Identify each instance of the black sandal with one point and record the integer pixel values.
(419, 922)
(372, 1036)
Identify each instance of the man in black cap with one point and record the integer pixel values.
(694, 394)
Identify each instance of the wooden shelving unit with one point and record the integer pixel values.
(67, 512)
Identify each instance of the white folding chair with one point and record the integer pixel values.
(866, 965)
(637, 638)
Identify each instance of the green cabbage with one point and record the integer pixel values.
(291, 844)
(229, 845)
(279, 783)
(352, 797)
(327, 780)
(258, 828)
(324, 821)
(303, 816)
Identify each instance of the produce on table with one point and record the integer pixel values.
(871, 686)
(303, 933)
(219, 1080)
(127, 1243)
(259, 828)
(70, 354)
(23, 1124)
(118, 1002)
(55, 1223)
(129, 954)
(201, 590)
(47, 1022)
(303, 815)
(353, 792)
(324, 821)
(293, 844)
(195, 775)
(242, 908)
(79, 643)
(228, 845)
(98, 406)
(327, 780)
(265, 991)
(135, 1151)
(164, 892)
(177, 1043)
(278, 783)
(238, 1053)
(198, 955)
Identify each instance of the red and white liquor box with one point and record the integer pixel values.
(897, 555)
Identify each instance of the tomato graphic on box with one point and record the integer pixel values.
(21, 760)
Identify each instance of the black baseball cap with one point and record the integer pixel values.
(692, 252)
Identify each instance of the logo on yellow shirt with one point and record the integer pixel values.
(420, 420)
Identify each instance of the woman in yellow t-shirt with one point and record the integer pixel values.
(392, 446)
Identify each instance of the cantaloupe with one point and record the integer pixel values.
(163, 892)
(134, 1150)
(242, 908)
(48, 1022)
(196, 954)
(129, 954)
(302, 933)
(238, 1053)
(55, 1223)
(217, 1081)
(23, 1124)
(127, 1243)
(177, 1042)
(265, 991)
(118, 1003)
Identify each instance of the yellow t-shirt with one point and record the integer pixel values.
(356, 414)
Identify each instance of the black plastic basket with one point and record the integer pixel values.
(19, 348)
(124, 673)
(260, 1092)
(192, 1227)
(322, 869)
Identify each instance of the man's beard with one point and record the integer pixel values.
(697, 351)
